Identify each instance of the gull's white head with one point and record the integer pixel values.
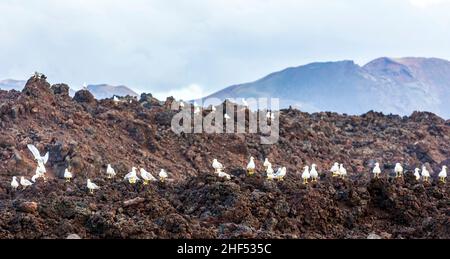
(313, 165)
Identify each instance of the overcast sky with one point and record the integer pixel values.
(194, 47)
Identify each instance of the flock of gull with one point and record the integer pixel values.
(132, 177)
(309, 173)
(337, 170)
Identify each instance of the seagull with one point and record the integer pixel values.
(417, 174)
(68, 175)
(376, 170)
(266, 163)
(181, 105)
(213, 108)
(251, 166)
(270, 174)
(398, 170)
(40, 169)
(342, 171)
(227, 117)
(313, 173)
(425, 174)
(335, 170)
(35, 177)
(131, 176)
(14, 183)
(217, 166)
(40, 172)
(37, 155)
(281, 173)
(306, 175)
(443, 174)
(110, 172)
(116, 99)
(224, 175)
(147, 176)
(91, 186)
(24, 182)
(162, 175)
(85, 86)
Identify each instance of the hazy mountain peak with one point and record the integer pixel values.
(103, 91)
(390, 85)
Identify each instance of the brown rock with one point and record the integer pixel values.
(28, 207)
(84, 96)
(134, 201)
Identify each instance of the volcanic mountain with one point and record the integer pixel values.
(390, 85)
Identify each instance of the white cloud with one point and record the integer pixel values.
(190, 92)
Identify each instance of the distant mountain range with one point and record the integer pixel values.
(390, 85)
(103, 91)
(100, 91)
(11, 84)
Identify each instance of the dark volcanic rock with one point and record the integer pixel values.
(84, 96)
(86, 135)
(60, 89)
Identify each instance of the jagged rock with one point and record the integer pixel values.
(84, 96)
(168, 102)
(38, 88)
(148, 101)
(60, 89)
(133, 202)
(28, 207)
